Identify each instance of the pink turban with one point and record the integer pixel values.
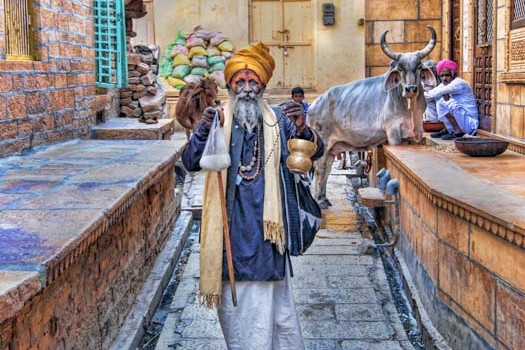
(448, 64)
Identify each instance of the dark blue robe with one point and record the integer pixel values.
(254, 258)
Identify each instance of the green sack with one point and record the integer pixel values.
(199, 71)
(215, 59)
(216, 67)
(181, 71)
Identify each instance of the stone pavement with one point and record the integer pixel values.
(342, 294)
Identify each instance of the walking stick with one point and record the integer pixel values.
(229, 258)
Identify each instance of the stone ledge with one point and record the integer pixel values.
(61, 199)
(16, 288)
(469, 187)
(132, 129)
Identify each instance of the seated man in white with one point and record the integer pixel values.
(456, 103)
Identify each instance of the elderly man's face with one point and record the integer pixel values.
(446, 76)
(246, 81)
(246, 91)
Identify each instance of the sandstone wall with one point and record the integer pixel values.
(406, 23)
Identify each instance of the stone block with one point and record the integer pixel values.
(498, 256)
(134, 59)
(134, 80)
(152, 102)
(391, 10)
(138, 94)
(429, 253)
(142, 68)
(152, 90)
(148, 79)
(428, 212)
(418, 32)
(125, 110)
(453, 230)
(125, 94)
(468, 285)
(510, 313)
(517, 121)
(396, 31)
(430, 9)
(16, 106)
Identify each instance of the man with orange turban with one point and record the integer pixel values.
(261, 206)
(455, 103)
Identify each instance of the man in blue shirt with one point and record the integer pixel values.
(298, 96)
(456, 103)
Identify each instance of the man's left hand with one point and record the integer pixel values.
(295, 112)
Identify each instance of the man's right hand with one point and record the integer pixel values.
(207, 117)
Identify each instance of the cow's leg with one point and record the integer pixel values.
(322, 170)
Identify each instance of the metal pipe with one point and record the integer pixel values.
(383, 176)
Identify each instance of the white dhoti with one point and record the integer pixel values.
(466, 122)
(265, 317)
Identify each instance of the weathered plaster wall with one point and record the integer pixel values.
(338, 49)
(228, 16)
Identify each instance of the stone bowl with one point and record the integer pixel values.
(430, 126)
(481, 147)
(299, 161)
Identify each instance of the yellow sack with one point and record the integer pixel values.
(197, 50)
(176, 82)
(180, 59)
(225, 46)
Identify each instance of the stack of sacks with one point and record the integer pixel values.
(192, 57)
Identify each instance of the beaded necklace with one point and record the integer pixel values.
(256, 157)
(255, 161)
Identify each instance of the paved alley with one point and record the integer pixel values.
(341, 293)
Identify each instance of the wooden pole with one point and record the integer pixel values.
(229, 259)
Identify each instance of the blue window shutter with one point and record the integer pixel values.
(110, 43)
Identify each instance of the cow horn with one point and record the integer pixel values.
(384, 46)
(430, 44)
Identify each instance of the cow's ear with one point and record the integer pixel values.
(428, 77)
(392, 80)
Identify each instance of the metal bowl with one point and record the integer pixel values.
(299, 160)
(429, 126)
(480, 147)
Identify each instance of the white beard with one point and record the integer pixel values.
(247, 109)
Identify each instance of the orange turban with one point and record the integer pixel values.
(255, 57)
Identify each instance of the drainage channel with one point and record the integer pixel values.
(151, 336)
(406, 312)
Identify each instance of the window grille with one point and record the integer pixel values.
(18, 37)
(517, 14)
(110, 43)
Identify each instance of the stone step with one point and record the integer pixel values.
(132, 129)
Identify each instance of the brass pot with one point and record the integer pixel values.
(299, 160)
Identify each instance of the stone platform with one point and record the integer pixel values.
(132, 129)
(80, 226)
(462, 223)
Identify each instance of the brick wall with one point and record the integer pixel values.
(406, 23)
(49, 99)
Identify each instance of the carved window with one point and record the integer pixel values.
(517, 14)
(18, 30)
